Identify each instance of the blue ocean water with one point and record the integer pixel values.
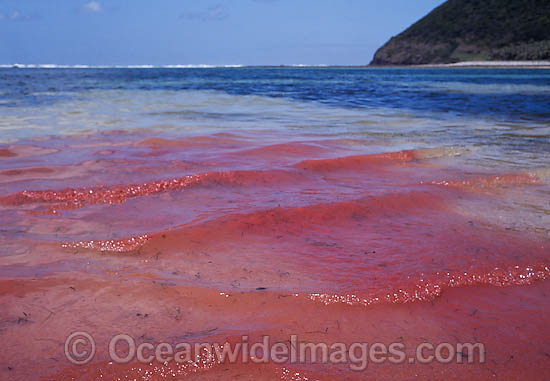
(505, 112)
(206, 203)
(514, 93)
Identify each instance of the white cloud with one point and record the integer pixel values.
(92, 7)
(216, 12)
(13, 16)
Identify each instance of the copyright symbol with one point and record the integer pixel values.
(79, 348)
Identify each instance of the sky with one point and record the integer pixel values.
(211, 32)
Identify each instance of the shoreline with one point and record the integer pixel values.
(491, 64)
(465, 64)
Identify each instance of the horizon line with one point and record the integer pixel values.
(464, 64)
(168, 66)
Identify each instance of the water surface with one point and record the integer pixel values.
(339, 204)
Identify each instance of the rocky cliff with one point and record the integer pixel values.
(473, 30)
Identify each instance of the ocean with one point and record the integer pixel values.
(204, 204)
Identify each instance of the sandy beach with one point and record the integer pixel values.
(493, 64)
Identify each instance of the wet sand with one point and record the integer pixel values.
(210, 238)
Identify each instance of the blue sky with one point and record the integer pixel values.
(217, 32)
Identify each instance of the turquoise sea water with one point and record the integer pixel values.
(483, 121)
(339, 204)
(503, 115)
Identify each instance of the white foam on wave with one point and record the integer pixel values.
(55, 66)
(46, 66)
(306, 65)
(171, 66)
(199, 66)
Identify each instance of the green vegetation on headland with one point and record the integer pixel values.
(473, 30)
